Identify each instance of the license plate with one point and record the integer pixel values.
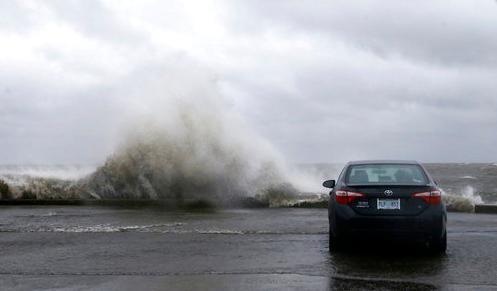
(388, 204)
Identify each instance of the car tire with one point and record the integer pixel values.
(335, 244)
(439, 246)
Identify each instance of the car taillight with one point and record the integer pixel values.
(347, 197)
(433, 197)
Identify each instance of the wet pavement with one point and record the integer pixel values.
(101, 248)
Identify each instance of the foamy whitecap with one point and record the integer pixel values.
(469, 193)
(63, 172)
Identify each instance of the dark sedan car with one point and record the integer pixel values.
(386, 199)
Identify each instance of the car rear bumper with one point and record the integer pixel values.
(429, 224)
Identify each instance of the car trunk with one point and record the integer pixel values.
(369, 205)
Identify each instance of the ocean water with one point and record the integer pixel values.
(472, 180)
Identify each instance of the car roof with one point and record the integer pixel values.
(366, 162)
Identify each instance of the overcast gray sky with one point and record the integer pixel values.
(323, 81)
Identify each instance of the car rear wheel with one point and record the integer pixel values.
(439, 245)
(335, 244)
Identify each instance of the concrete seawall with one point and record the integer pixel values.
(161, 203)
(164, 203)
(486, 208)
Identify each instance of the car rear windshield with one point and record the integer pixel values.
(401, 174)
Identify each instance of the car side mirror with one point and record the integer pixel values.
(329, 183)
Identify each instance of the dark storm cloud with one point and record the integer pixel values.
(446, 32)
(327, 81)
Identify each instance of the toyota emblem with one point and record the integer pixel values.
(388, 192)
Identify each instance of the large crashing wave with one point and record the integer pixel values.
(181, 140)
(196, 158)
